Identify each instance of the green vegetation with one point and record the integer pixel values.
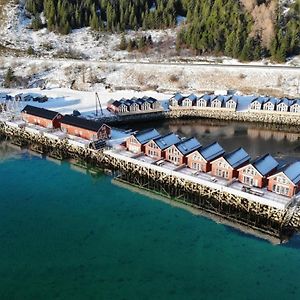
(9, 78)
(287, 39)
(219, 27)
(213, 26)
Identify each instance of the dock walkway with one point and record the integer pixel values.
(217, 184)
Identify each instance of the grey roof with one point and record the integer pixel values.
(261, 100)
(237, 157)
(206, 97)
(221, 98)
(146, 135)
(167, 140)
(265, 164)
(192, 97)
(293, 172)
(296, 101)
(286, 101)
(178, 96)
(212, 151)
(188, 145)
(272, 100)
(234, 98)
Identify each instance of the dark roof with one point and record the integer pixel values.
(206, 97)
(117, 103)
(192, 97)
(167, 140)
(265, 164)
(146, 135)
(178, 96)
(81, 123)
(293, 172)
(151, 100)
(212, 151)
(231, 97)
(261, 100)
(40, 112)
(188, 145)
(273, 100)
(237, 157)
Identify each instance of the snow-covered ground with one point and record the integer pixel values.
(166, 78)
(66, 100)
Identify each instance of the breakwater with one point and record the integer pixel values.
(279, 222)
(275, 119)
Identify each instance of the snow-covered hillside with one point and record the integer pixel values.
(87, 44)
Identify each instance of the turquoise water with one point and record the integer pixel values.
(68, 235)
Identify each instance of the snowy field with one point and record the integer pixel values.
(66, 100)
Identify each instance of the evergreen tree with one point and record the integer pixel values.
(123, 43)
(9, 78)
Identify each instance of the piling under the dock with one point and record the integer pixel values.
(277, 222)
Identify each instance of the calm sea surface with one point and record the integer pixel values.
(67, 235)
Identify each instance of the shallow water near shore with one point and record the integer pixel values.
(68, 235)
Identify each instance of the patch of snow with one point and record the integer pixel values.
(180, 20)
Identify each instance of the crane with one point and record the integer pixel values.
(98, 102)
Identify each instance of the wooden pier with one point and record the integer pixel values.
(278, 220)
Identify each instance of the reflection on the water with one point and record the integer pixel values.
(257, 139)
(9, 151)
(255, 133)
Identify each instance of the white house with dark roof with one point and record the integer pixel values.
(217, 101)
(286, 182)
(185, 102)
(203, 101)
(255, 173)
(270, 104)
(231, 102)
(133, 106)
(295, 106)
(154, 104)
(174, 101)
(283, 105)
(257, 103)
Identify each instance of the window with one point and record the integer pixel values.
(279, 189)
(248, 180)
(196, 166)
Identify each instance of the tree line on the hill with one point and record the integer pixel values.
(212, 26)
